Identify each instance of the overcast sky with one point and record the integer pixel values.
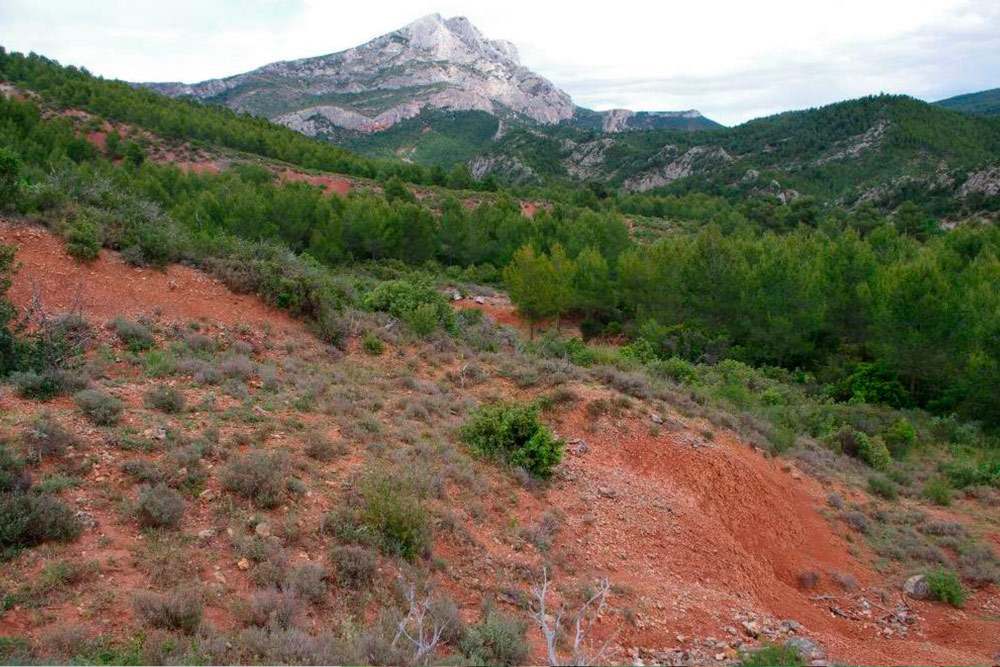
(731, 60)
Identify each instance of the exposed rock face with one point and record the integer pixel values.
(431, 63)
(503, 166)
(858, 145)
(673, 167)
(623, 120)
(986, 181)
(587, 159)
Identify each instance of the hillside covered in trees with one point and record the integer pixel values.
(858, 335)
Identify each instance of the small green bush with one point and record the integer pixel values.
(38, 386)
(179, 610)
(13, 477)
(83, 240)
(355, 565)
(423, 319)
(900, 438)
(882, 487)
(29, 519)
(498, 639)
(945, 586)
(320, 448)
(165, 399)
(373, 345)
(773, 656)
(938, 491)
(100, 408)
(513, 434)
(47, 438)
(258, 477)
(159, 507)
(872, 450)
(308, 581)
(678, 370)
(136, 336)
(396, 517)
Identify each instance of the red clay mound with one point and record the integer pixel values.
(109, 287)
(330, 184)
(706, 533)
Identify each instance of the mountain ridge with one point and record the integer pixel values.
(982, 103)
(432, 63)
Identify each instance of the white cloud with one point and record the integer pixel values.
(731, 60)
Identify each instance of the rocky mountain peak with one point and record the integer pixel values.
(431, 63)
(456, 40)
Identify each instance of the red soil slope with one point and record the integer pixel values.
(109, 287)
(702, 533)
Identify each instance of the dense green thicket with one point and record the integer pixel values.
(881, 318)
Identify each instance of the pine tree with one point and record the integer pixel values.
(531, 282)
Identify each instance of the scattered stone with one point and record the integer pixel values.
(263, 529)
(480, 300)
(87, 519)
(218, 576)
(751, 628)
(917, 587)
(208, 495)
(791, 626)
(578, 446)
(605, 492)
(807, 647)
(655, 418)
(206, 534)
(243, 564)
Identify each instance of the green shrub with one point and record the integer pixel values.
(136, 336)
(773, 656)
(900, 438)
(320, 448)
(396, 517)
(373, 345)
(179, 610)
(498, 639)
(40, 386)
(870, 384)
(13, 477)
(423, 319)
(945, 586)
(27, 520)
(47, 437)
(513, 434)
(100, 408)
(83, 240)
(882, 487)
(308, 581)
(399, 297)
(159, 507)
(258, 477)
(165, 399)
(938, 491)
(678, 370)
(872, 450)
(355, 565)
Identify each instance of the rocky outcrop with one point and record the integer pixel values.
(587, 159)
(856, 146)
(432, 63)
(673, 166)
(986, 181)
(506, 167)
